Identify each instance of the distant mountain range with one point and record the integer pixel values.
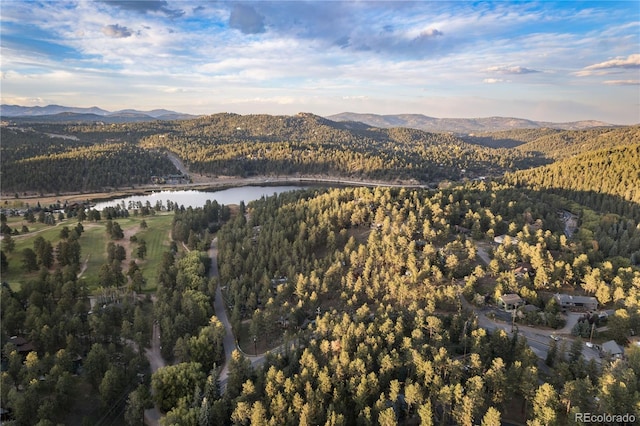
(460, 125)
(58, 113)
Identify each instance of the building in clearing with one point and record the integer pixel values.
(567, 301)
(510, 301)
(613, 349)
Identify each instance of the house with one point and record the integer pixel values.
(510, 301)
(22, 345)
(275, 282)
(612, 349)
(567, 301)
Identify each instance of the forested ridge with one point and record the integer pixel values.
(571, 142)
(129, 154)
(607, 180)
(36, 162)
(509, 138)
(556, 144)
(230, 144)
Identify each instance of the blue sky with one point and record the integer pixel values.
(553, 61)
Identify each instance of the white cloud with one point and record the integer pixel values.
(587, 73)
(622, 82)
(387, 52)
(612, 65)
(632, 61)
(511, 70)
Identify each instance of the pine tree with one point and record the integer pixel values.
(491, 418)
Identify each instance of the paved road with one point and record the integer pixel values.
(229, 341)
(152, 416)
(178, 163)
(537, 339)
(153, 354)
(483, 255)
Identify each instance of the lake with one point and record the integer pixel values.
(195, 198)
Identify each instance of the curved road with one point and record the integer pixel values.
(229, 341)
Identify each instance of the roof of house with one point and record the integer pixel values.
(568, 298)
(22, 345)
(17, 340)
(27, 347)
(511, 298)
(612, 347)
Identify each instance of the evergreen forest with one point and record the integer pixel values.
(327, 305)
(59, 158)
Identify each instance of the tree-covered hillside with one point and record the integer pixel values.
(556, 144)
(33, 161)
(363, 288)
(230, 144)
(362, 294)
(235, 145)
(101, 156)
(564, 144)
(611, 171)
(508, 138)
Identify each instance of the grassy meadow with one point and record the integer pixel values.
(93, 242)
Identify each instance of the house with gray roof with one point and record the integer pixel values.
(510, 301)
(568, 301)
(612, 349)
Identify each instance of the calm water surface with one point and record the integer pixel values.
(195, 198)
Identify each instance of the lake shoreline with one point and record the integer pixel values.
(195, 198)
(213, 184)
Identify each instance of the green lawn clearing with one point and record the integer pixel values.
(94, 241)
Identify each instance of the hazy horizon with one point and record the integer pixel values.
(364, 113)
(549, 61)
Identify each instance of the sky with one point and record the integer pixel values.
(550, 61)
